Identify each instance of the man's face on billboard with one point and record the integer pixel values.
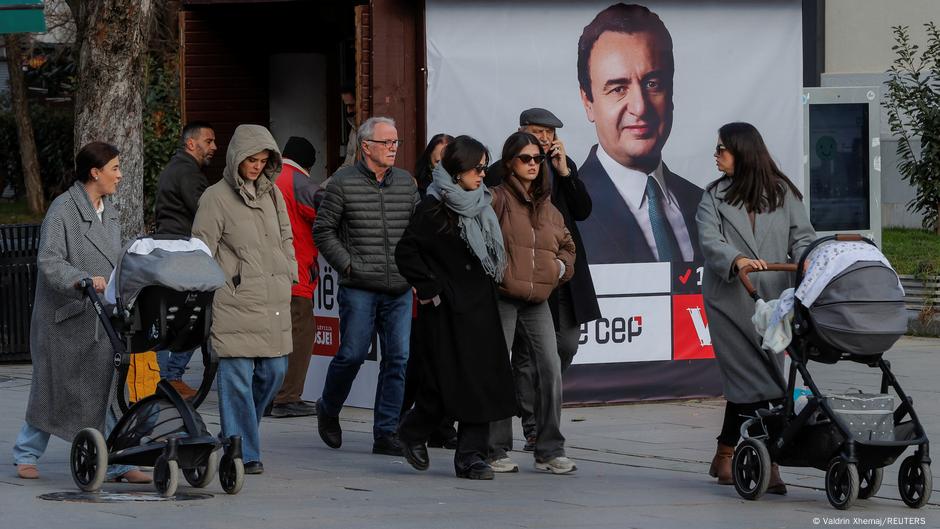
(631, 88)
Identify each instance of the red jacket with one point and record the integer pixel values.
(298, 191)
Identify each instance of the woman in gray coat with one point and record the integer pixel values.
(73, 370)
(752, 215)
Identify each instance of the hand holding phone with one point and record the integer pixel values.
(559, 157)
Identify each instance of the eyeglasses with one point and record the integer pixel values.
(480, 169)
(387, 143)
(528, 158)
(720, 149)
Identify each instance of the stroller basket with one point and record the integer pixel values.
(154, 420)
(869, 417)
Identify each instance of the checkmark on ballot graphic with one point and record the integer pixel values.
(685, 277)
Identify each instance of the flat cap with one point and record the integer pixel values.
(539, 116)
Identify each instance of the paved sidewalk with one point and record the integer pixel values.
(640, 466)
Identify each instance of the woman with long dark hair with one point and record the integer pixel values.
(541, 256)
(750, 216)
(429, 159)
(453, 255)
(73, 370)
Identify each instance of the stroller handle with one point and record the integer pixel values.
(771, 267)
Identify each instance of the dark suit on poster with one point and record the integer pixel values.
(611, 234)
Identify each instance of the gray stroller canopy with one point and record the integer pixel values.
(859, 303)
(184, 265)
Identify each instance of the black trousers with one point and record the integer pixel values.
(736, 414)
(414, 379)
(425, 418)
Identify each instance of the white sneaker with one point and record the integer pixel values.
(558, 465)
(504, 464)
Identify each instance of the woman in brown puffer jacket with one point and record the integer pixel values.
(541, 256)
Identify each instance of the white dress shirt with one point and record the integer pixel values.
(631, 184)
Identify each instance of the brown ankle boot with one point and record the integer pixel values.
(721, 464)
(776, 486)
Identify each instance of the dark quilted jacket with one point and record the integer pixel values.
(359, 224)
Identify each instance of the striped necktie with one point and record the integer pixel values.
(666, 244)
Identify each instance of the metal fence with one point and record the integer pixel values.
(19, 245)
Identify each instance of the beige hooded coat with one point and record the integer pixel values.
(245, 225)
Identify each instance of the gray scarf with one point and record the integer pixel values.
(479, 227)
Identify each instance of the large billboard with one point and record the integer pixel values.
(642, 91)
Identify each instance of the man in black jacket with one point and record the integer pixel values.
(179, 187)
(574, 302)
(182, 181)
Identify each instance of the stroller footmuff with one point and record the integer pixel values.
(162, 293)
(855, 313)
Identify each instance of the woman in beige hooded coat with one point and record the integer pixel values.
(243, 219)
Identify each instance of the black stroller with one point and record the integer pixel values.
(163, 294)
(858, 316)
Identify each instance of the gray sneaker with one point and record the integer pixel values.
(557, 465)
(504, 464)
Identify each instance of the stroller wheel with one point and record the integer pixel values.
(89, 460)
(842, 484)
(750, 469)
(202, 475)
(231, 474)
(166, 476)
(869, 482)
(915, 482)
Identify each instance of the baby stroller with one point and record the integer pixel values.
(858, 315)
(162, 292)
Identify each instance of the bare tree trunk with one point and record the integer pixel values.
(24, 126)
(113, 36)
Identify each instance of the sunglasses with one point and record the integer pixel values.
(528, 158)
(480, 169)
(720, 149)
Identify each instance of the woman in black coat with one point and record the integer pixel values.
(445, 436)
(453, 255)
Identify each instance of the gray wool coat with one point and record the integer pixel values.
(725, 234)
(73, 371)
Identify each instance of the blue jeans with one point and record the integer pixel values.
(31, 444)
(173, 365)
(246, 386)
(362, 313)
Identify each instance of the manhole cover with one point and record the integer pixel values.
(117, 497)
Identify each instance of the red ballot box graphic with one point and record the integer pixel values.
(691, 339)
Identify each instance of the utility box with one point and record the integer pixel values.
(842, 160)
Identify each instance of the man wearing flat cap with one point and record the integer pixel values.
(574, 302)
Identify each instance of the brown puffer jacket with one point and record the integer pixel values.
(535, 236)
